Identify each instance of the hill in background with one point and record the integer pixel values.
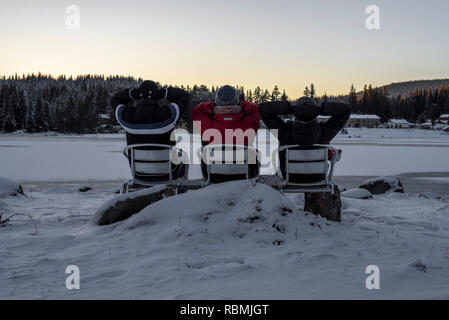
(404, 88)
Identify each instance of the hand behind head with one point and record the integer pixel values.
(227, 109)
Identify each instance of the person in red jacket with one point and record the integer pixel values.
(229, 116)
(227, 121)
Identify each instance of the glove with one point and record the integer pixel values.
(148, 90)
(227, 109)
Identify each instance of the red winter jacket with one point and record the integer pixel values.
(226, 124)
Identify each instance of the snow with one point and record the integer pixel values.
(366, 152)
(398, 122)
(63, 159)
(435, 179)
(364, 116)
(8, 187)
(236, 240)
(356, 193)
(228, 204)
(380, 160)
(387, 136)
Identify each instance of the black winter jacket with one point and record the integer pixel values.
(305, 134)
(148, 122)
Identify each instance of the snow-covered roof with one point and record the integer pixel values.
(364, 116)
(356, 116)
(399, 121)
(445, 115)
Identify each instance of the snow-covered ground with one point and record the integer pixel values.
(230, 241)
(234, 240)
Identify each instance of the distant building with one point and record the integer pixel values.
(398, 123)
(358, 120)
(363, 120)
(428, 125)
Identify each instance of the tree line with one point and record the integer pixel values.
(40, 103)
(420, 105)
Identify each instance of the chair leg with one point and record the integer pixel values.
(124, 188)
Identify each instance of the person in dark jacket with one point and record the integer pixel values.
(304, 130)
(146, 121)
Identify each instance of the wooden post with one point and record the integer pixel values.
(326, 204)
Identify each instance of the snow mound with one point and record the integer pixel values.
(9, 188)
(236, 209)
(357, 193)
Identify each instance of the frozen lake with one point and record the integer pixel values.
(366, 152)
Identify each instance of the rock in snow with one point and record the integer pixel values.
(357, 193)
(9, 188)
(124, 206)
(84, 189)
(381, 185)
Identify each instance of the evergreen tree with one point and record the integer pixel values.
(353, 100)
(29, 121)
(307, 92)
(275, 94)
(312, 91)
(249, 96)
(257, 97)
(38, 115)
(20, 110)
(365, 100)
(284, 96)
(265, 96)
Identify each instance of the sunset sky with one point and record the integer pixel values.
(246, 42)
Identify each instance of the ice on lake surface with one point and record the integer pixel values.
(369, 152)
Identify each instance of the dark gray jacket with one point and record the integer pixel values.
(147, 122)
(305, 134)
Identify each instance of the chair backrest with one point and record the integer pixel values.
(306, 161)
(231, 160)
(151, 163)
(306, 166)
